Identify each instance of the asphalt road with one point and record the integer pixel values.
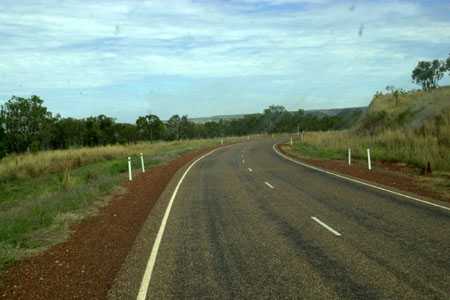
(249, 224)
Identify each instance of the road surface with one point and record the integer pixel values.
(246, 223)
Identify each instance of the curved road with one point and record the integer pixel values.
(247, 223)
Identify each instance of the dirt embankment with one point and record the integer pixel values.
(84, 266)
(399, 177)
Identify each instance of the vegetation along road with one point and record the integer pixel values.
(246, 222)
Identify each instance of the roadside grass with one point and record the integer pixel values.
(43, 193)
(398, 146)
(313, 151)
(46, 162)
(403, 147)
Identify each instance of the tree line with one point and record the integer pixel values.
(428, 73)
(27, 125)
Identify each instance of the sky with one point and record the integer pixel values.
(201, 58)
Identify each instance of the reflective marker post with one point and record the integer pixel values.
(369, 163)
(142, 163)
(349, 156)
(130, 176)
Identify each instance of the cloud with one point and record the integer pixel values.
(61, 45)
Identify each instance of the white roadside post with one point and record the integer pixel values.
(302, 136)
(292, 142)
(142, 163)
(130, 176)
(369, 163)
(349, 156)
(221, 141)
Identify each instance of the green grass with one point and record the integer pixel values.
(313, 151)
(37, 207)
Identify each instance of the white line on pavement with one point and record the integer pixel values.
(243, 161)
(151, 262)
(326, 226)
(358, 181)
(269, 185)
(250, 170)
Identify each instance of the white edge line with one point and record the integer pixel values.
(145, 283)
(358, 181)
(326, 226)
(269, 185)
(250, 170)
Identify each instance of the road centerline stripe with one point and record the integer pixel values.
(145, 283)
(336, 233)
(269, 185)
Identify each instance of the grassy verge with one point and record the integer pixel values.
(402, 146)
(42, 194)
(392, 145)
(316, 152)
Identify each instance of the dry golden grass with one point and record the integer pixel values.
(414, 130)
(46, 162)
(397, 145)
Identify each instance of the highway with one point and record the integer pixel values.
(246, 223)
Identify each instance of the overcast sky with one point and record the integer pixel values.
(202, 58)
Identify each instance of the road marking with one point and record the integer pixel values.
(358, 181)
(326, 226)
(250, 170)
(152, 259)
(269, 185)
(243, 161)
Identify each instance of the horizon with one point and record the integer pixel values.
(130, 58)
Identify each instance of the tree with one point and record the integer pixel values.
(69, 132)
(186, 128)
(106, 130)
(150, 127)
(428, 74)
(173, 128)
(126, 133)
(272, 116)
(26, 122)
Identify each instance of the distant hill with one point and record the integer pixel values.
(318, 112)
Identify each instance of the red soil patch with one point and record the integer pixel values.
(400, 177)
(84, 266)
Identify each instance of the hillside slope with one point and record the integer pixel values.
(411, 110)
(413, 130)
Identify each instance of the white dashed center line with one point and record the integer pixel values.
(250, 170)
(269, 185)
(326, 226)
